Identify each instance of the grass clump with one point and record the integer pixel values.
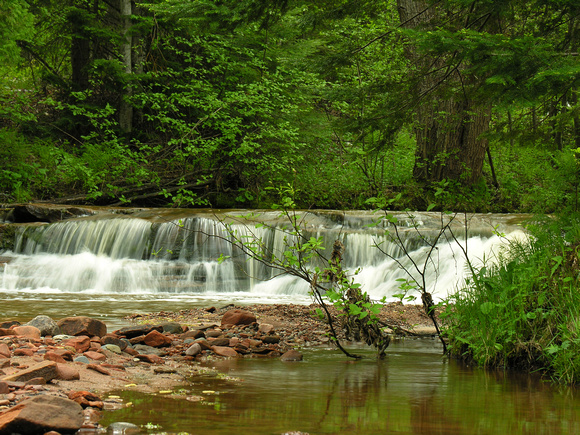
(522, 310)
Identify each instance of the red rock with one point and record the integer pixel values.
(234, 341)
(157, 339)
(66, 354)
(204, 344)
(53, 356)
(4, 350)
(95, 355)
(224, 351)
(252, 343)
(131, 351)
(238, 317)
(36, 381)
(67, 372)
(292, 355)
(86, 399)
(4, 388)
(27, 331)
(195, 333)
(99, 369)
(114, 366)
(39, 414)
(46, 370)
(265, 328)
(151, 359)
(81, 344)
(137, 340)
(223, 341)
(4, 332)
(23, 351)
(92, 416)
(82, 325)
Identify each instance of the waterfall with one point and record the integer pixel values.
(194, 255)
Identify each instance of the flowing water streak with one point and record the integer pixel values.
(182, 256)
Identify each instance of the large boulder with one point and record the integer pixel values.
(41, 414)
(45, 324)
(238, 317)
(82, 325)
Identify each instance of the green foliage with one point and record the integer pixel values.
(16, 23)
(535, 179)
(229, 99)
(35, 169)
(521, 309)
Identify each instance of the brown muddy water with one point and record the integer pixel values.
(414, 390)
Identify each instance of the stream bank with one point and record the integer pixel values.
(160, 353)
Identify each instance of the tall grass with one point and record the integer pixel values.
(523, 309)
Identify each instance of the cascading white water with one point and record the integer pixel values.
(182, 257)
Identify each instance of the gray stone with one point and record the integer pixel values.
(193, 350)
(172, 328)
(220, 342)
(45, 324)
(82, 359)
(148, 350)
(113, 348)
(110, 339)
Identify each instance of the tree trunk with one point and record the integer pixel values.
(80, 52)
(449, 128)
(125, 109)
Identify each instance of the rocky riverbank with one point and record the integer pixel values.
(56, 375)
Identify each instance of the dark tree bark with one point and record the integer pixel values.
(80, 48)
(125, 109)
(449, 125)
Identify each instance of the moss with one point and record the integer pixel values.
(7, 237)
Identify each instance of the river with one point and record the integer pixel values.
(112, 264)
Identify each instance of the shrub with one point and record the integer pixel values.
(522, 308)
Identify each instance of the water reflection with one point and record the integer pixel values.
(413, 391)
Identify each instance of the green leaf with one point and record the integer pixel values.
(487, 307)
